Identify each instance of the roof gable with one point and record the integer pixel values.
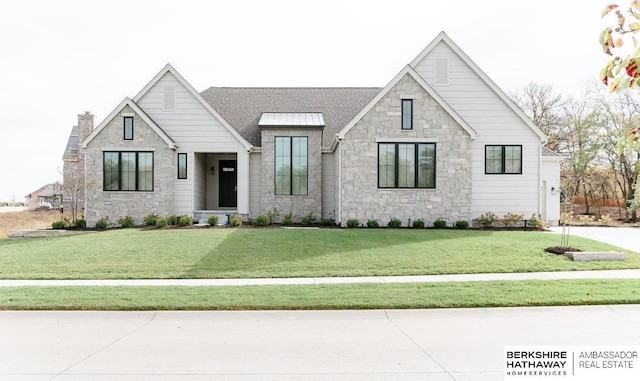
(408, 70)
(129, 102)
(170, 69)
(442, 37)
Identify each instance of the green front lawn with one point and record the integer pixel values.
(348, 296)
(249, 253)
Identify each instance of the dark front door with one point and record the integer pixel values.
(228, 184)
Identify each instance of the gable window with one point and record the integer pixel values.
(402, 165)
(128, 128)
(407, 114)
(128, 171)
(503, 159)
(182, 166)
(441, 72)
(169, 98)
(291, 174)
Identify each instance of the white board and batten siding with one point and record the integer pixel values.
(194, 129)
(496, 124)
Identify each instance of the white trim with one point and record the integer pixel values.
(127, 114)
(128, 149)
(407, 140)
(408, 70)
(170, 69)
(442, 37)
(138, 111)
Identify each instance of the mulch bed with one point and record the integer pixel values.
(560, 250)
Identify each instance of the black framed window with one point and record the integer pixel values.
(182, 166)
(407, 114)
(128, 171)
(406, 165)
(291, 173)
(128, 128)
(503, 159)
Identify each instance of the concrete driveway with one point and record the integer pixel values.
(626, 238)
(447, 344)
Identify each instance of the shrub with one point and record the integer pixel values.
(419, 223)
(605, 220)
(126, 221)
(213, 220)
(566, 217)
(462, 224)
(80, 223)
(102, 224)
(394, 223)
(325, 222)
(185, 220)
(309, 219)
(536, 223)
(162, 222)
(273, 215)
(488, 220)
(353, 223)
(235, 220)
(586, 220)
(173, 219)
(262, 220)
(151, 219)
(59, 224)
(512, 219)
(287, 219)
(373, 224)
(439, 223)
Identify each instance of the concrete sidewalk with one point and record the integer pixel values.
(598, 274)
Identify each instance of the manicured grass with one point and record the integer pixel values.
(250, 253)
(351, 296)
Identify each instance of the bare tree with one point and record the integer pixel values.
(541, 103)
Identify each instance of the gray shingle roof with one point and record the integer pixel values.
(547, 152)
(242, 107)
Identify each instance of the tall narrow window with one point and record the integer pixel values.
(128, 128)
(407, 165)
(291, 173)
(503, 159)
(182, 165)
(407, 114)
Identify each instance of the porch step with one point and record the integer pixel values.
(202, 216)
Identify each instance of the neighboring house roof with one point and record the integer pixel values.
(547, 153)
(442, 37)
(297, 119)
(243, 107)
(46, 190)
(170, 69)
(129, 102)
(408, 70)
(71, 152)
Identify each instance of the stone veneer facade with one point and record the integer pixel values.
(73, 170)
(115, 204)
(360, 196)
(299, 206)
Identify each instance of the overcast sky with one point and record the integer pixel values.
(61, 58)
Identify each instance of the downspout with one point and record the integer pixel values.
(339, 213)
(540, 188)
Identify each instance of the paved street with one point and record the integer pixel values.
(447, 344)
